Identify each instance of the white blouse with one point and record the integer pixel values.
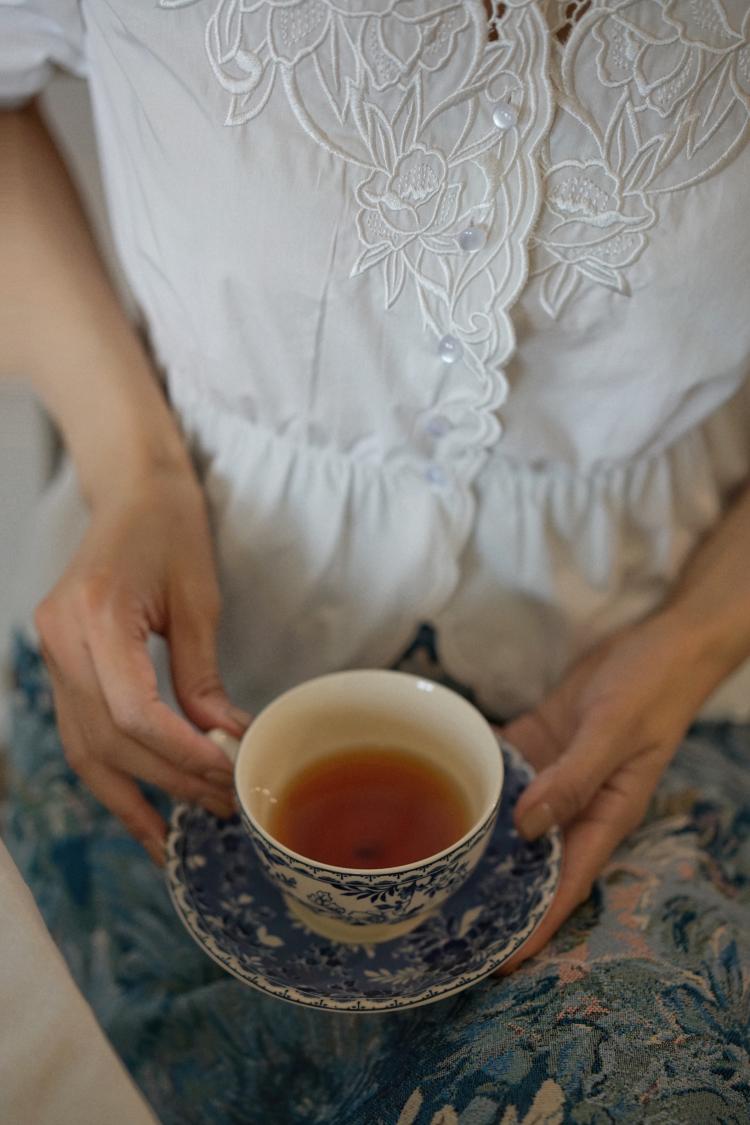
(454, 313)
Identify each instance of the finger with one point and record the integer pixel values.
(564, 788)
(589, 843)
(534, 738)
(130, 758)
(87, 732)
(587, 848)
(195, 670)
(128, 682)
(124, 800)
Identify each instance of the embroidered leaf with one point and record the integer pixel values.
(395, 273)
(382, 146)
(223, 32)
(558, 285)
(704, 24)
(440, 243)
(407, 118)
(615, 143)
(333, 44)
(639, 172)
(231, 26)
(370, 257)
(338, 113)
(471, 116)
(244, 107)
(604, 275)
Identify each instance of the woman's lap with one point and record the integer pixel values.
(639, 1011)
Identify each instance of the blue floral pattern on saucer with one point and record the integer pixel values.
(240, 919)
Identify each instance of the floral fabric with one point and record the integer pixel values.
(638, 1011)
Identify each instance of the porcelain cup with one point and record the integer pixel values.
(353, 709)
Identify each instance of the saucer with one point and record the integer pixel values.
(241, 921)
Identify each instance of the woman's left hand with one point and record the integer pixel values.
(600, 743)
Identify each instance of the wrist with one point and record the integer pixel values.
(711, 645)
(134, 454)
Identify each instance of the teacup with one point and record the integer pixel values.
(366, 708)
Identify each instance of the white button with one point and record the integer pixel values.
(438, 425)
(505, 116)
(435, 475)
(449, 349)
(472, 239)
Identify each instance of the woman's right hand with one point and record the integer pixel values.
(145, 566)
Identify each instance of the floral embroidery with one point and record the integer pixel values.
(403, 94)
(653, 97)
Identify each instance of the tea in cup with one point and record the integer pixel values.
(369, 796)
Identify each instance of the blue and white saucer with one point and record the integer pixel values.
(242, 922)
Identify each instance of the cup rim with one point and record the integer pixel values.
(478, 826)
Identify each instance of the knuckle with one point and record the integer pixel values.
(183, 760)
(204, 683)
(94, 593)
(573, 793)
(46, 617)
(127, 716)
(133, 824)
(584, 894)
(76, 756)
(635, 816)
(210, 602)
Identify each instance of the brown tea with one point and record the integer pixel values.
(370, 807)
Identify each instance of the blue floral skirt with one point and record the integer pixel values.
(638, 1011)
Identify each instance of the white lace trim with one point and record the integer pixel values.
(653, 97)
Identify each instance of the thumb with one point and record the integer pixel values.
(565, 788)
(195, 670)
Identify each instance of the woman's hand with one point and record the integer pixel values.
(144, 567)
(602, 739)
(600, 743)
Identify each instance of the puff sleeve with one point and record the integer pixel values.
(35, 37)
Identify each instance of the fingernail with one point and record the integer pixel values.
(241, 718)
(224, 778)
(536, 821)
(155, 849)
(221, 809)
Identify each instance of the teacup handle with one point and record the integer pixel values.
(225, 742)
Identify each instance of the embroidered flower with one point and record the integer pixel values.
(660, 49)
(401, 93)
(678, 73)
(638, 46)
(413, 201)
(741, 66)
(406, 203)
(588, 223)
(297, 29)
(703, 22)
(394, 48)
